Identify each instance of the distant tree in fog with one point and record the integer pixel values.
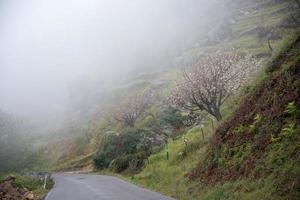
(207, 84)
(132, 108)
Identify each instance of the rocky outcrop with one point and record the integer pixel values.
(10, 191)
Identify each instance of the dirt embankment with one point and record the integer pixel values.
(10, 191)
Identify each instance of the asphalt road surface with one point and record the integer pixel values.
(96, 187)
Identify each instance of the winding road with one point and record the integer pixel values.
(98, 187)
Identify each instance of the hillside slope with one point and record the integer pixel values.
(261, 140)
(247, 157)
(252, 155)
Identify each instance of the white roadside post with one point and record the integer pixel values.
(45, 181)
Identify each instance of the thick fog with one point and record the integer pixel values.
(48, 44)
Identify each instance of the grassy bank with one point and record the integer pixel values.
(167, 175)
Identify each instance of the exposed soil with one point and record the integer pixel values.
(9, 190)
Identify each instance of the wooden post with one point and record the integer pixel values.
(212, 124)
(202, 133)
(270, 46)
(167, 155)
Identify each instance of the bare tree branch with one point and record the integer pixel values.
(207, 84)
(132, 108)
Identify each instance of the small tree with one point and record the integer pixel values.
(207, 84)
(132, 108)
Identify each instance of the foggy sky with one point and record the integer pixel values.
(47, 44)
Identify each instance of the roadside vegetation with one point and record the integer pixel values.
(16, 186)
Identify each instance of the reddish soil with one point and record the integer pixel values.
(9, 190)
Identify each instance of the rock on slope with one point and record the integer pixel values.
(9, 190)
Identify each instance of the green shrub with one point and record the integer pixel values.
(118, 145)
(240, 129)
(289, 130)
(291, 109)
(172, 116)
(257, 119)
(101, 161)
(120, 164)
(132, 162)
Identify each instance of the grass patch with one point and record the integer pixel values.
(168, 176)
(279, 56)
(76, 163)
(245, 189)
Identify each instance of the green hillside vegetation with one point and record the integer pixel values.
(251, 161)
(251, 155)
(257, 28)
(253, 24)
(260, 141)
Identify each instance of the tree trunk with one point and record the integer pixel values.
(130, 123)
(217, 114)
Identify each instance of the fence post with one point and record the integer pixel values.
(202, 133)
(45, 181)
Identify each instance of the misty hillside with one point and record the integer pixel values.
(193, 99)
